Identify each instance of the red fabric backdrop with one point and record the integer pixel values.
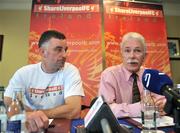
(81, 22)
(147, 19)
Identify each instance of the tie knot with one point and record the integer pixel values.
(134, 76)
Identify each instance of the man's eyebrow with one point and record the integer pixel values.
(137, 47)
(59, 47)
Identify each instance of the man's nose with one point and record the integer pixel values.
(132, 54)
(64, 54)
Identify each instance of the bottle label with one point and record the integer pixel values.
(14, 126)
(3, 121)
(21, 117)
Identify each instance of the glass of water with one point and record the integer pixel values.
(149, 117)
(149, 113)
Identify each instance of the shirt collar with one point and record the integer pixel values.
(128, 74)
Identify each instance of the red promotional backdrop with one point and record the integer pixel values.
(147, 19)
(83, 24)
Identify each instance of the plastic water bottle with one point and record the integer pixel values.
(148, 114)
(3, 115)
(16, 114)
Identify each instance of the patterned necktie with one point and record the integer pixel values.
(135, 89)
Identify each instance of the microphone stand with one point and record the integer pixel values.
(172, 106)
(177, 119)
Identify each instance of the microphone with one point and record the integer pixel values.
(105, 126)
(156, 81)
(100, 118)
(93, 101)
(91, 104)
(160, 83)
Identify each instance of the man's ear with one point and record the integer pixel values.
(145, 55)
(43, 52)
(121, 53)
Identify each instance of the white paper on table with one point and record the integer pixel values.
(161, 122)
(50, 120)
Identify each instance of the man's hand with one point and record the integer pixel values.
(36, 121)
(160, 103)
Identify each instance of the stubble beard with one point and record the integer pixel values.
(62, 63)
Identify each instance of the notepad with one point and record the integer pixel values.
(163, 121)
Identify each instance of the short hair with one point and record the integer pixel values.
(133, 35)
(47, 35)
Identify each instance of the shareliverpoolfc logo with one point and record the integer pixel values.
(147, 78)
(55, 1)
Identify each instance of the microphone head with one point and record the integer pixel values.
(154, 80)
(93, 101)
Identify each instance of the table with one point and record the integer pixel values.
(125, 121)
(60, 126)
(67, 126)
